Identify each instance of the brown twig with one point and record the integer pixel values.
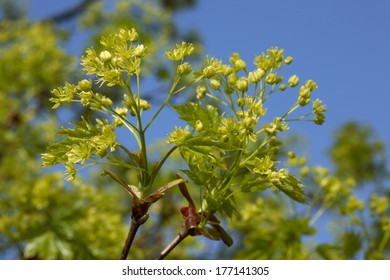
(179, 238)
(130, 238)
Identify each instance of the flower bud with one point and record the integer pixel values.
(319, 119)
(215, 84)
(293, 81)
(209, 71)
(85, 97)
(201, 91)
(184, 69)
(228, 89)
(117, 61)
(291, 154)
(311, 85)
(256, 76)
(132, 35)
(249, 122)
(304, 92)
(241, 114)
(198, 126)
(105, 56)
(106, 102)
(234, 57)
(303, 101)
(232, 79)
(140, 51)
(226, 70)
(242, 84)
(144, 105)
(283, 87)
(288, 60)
(273, 79)
(241, 102)
(84, 85)
(239, 65)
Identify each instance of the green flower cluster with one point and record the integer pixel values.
(224, 127)
(113, 66)
(119, 61)
(227, 143)
(80, 144)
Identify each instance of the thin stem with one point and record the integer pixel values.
(163, 104)
(211, 96)
(292, 109)
(179, 238)
(317, 215)
(124, 121)
(384, 240)
(187, 85)
(161, 163)
(130, 238)
(255, 152)
(120, 164)
(141, 132)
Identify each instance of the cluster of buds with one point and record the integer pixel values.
(305, 92)
(122, 56)
(319, 110)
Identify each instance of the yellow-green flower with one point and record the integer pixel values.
(293, 81)
(178, 136)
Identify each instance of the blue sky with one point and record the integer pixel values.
(342, 45)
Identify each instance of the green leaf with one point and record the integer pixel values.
(83, 130)
(49, 247)
(192, 112)
(293, 188)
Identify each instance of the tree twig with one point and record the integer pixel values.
(179, 238)
(130, 238)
